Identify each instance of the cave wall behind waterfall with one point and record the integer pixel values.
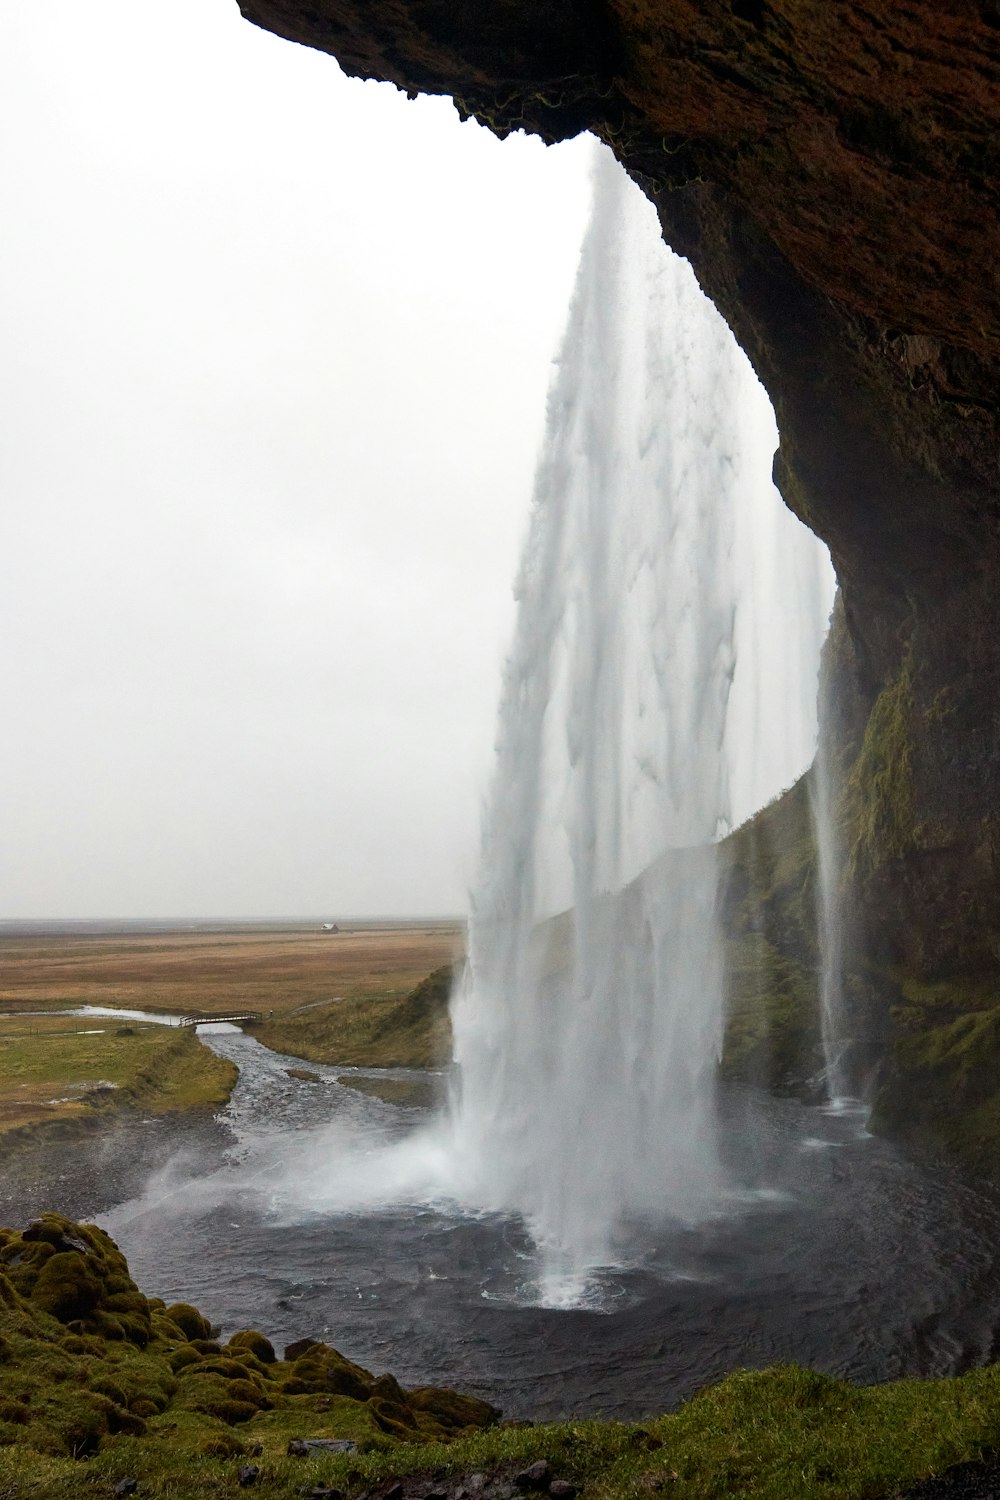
(832, 173)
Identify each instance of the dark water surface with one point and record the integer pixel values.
(836, 1251)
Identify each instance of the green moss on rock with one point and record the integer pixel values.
(878, 803)
(255, 1343)
(767, 893)
(189, 1320)
(90, 1363)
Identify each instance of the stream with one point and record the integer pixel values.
(327, 1219)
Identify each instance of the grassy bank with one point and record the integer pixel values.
(55, 1079)
(101, 1384)
(405, 1027)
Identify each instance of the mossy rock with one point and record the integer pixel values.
(451, 1410)
(181, 1358)
(83, 1343)
(256, 1343)
(225, 1369)
(80, 1430)
(393, 1417)
(189, 1320)
(66, 1287)
(76, 1274)
(322, 1371)
(166, 1330)
(223, 1446)
(230, 1397)
(70, 1389)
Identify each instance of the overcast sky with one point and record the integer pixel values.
(274, 348)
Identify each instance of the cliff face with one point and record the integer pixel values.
(833, 174)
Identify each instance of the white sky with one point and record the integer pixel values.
(274, 348)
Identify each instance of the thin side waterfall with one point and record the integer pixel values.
(661, 686)
(830, 931)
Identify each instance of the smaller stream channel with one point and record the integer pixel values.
(329, 1216)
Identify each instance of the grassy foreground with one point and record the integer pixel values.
(101, 1385)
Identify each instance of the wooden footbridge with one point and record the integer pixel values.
(236, 1019)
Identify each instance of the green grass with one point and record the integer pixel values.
(399, 1028)
(50, 1077)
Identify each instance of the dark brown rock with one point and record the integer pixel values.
(534, 1477)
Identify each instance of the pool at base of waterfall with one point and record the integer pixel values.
(331, 1217)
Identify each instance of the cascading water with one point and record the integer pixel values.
(661, 687)
(829, 925)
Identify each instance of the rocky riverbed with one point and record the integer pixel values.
(85, 1168)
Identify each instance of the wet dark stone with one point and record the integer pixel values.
(126, 1486)
(303, 1447)
(971, 1481)
(247, 1475)
(534, 1477)
(561, 1489)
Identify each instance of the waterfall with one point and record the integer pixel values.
(661, 686)
(830, 922)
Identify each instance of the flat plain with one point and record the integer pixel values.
(217, 970)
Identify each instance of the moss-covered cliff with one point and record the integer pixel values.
(833, 173)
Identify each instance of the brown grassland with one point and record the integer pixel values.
(212, 972)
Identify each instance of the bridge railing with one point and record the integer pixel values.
(243, 1015)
